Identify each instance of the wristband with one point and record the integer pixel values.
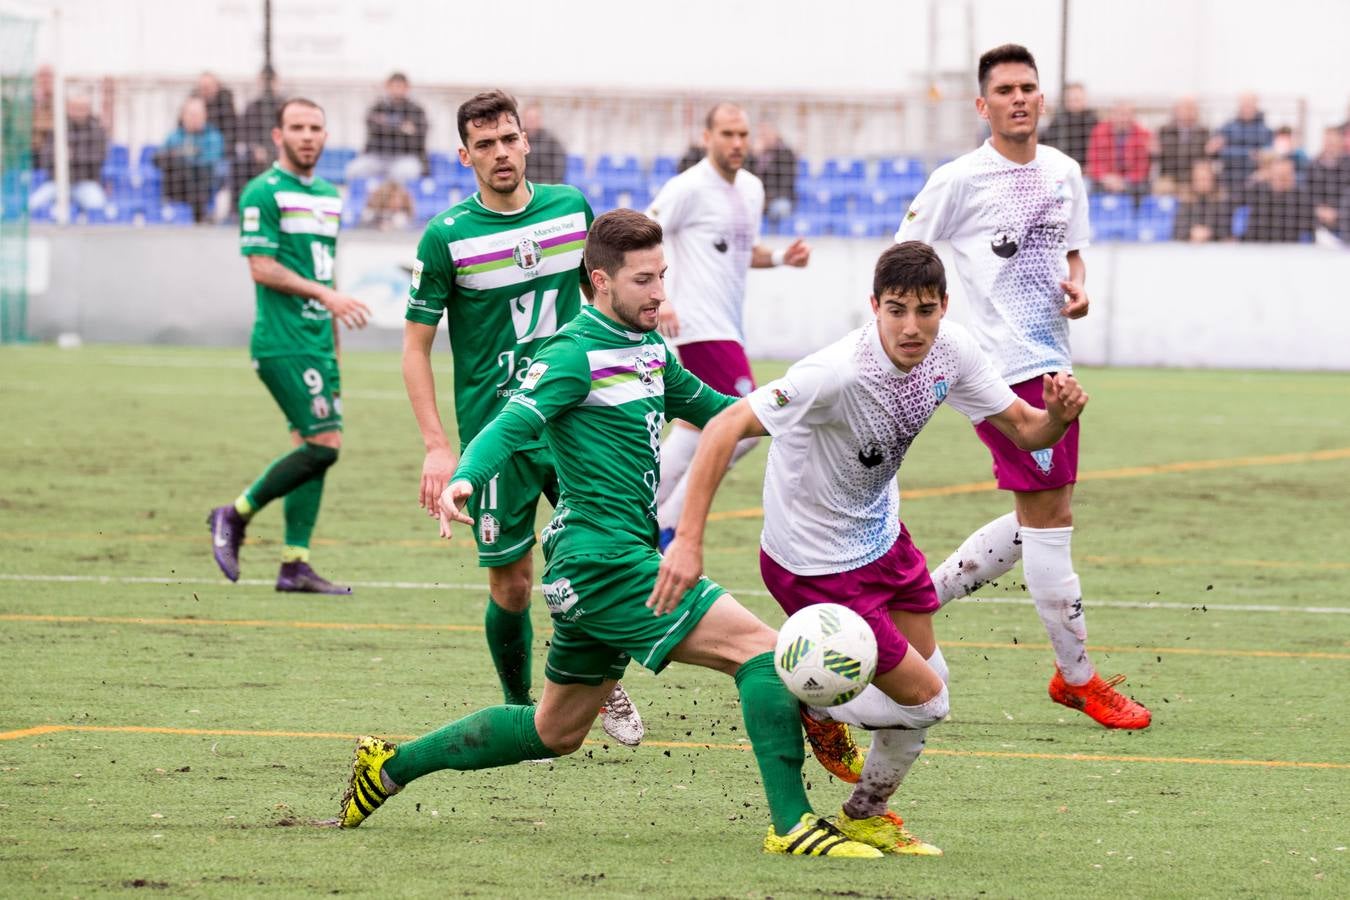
(777, 257)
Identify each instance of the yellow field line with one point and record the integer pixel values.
(45, 618)
(669, 745)
(1195, 465)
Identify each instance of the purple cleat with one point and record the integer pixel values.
(227, 533)
(298, 577)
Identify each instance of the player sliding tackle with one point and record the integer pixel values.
(842, 420)
(600, 391)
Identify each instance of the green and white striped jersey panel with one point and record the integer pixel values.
(309, 213)
(622, 374)
(520, 255)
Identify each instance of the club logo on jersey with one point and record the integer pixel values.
(252, 218)
(528, 254)
(940, 388)
(643, 370)
(781, 398)
(488, 530)
(911, 215)
(319, 406)
(1003, 244)
(417, 274)
(871, 456)
(1062, 192)
(532, 377)
(1045, 459)
(720, 245)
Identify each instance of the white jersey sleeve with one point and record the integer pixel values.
(670, 206)
(1080, 230)
(978, 391)
(929, 218)
(811, 385)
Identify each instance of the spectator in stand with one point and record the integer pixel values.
(1238, 143)
(388, 208)
(221, 113)
(88, 145)
(776, 166)
(1180, 143)
(1284, 145)
(1072, 125)
(692, 157)
(1328, 179)
(255, 151)
(1281, 211)
(44, 91)
(1118, 156)
(190, 159)
(1204, 212)
(548, 157)
(396, 137)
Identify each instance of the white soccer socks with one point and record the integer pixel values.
(986, 555)
(1047, 565)
(873, 709)
(891, 756)
(669, 508)
(676, 452)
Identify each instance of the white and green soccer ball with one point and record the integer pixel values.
(826, 654)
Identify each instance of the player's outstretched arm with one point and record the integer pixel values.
(268, 272)
(1035, 429)
(682, 564)
(796, 254)
(420, 382)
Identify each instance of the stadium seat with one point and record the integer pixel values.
(333, 164)
(170, 213)
(112, 214)
(147, 157)
(118, 155)
(1240, 217)
(1112, 217)
(901, 175)
(575, 173)
(1156, 218)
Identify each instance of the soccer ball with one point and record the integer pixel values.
(826, 654)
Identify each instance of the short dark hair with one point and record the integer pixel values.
(1005, 53)
(910, 267)
(397, 76)
(488, 106)
(717, 108)
(296, 101)
(616, 233)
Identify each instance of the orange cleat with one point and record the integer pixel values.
(1100, 700)
(833, 747)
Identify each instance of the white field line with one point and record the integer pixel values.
(744, 592)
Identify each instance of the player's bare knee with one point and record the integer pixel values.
(562, 737)
(511, 586)
(332, 439)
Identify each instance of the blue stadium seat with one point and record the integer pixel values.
(112, 214)
(353, 202)
(333, 164)
(1156, 218)
(170, 213)
(119, 156)
(575, 173)
(1240, 217)
(901, 175)
(844, 178)
(1112, 217)
(147, 157)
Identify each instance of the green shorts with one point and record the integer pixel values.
(503, 511)
(307, 388)
(600, 620)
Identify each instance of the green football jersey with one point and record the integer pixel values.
(506, 282)
(296, 221)
(600, 395)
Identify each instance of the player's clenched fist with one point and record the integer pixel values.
(1064, 397)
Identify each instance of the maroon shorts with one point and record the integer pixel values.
(898, 580)
(721, 365)
(1042, 470)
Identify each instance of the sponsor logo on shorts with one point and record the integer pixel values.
(528, 254)
(252, 218)
(559, 596)
(417, 275)
(532, 377)
(488, 530)
(940, 388)
(319, 406)
(1045, 459)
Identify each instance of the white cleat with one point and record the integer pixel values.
(620, 718)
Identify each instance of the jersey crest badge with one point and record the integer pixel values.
(488, 531)
(1003, 244)
(1045, 459)
(532, 377)
(911, 215)
(252, 218)
(940, 388)
(528, 254)
(781, 398)
(417, 275)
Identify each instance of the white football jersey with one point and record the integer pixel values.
(1011, 227)
(842, 420)
(710, 227)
